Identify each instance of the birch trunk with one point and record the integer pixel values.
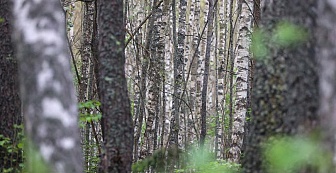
(242, 63)
(47, 91)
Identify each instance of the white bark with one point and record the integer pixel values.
(242, 64)
(47, 91)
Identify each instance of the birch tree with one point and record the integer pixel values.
(175, 119)
(154, 83)
(242, 63)
(47, 92)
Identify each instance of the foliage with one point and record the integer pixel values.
(211, 125)
(159, 160)
(285, 34)
(34, 162)
(87, 110)
(203, 161)
(13, 149)
(258, 45)
(89, 113)
(195, 160)
(91, 155)
(292, 154)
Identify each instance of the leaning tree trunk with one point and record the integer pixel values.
(47, 91)
(10, 109)
(117, 120)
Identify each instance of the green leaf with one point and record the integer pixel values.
(287, 34)
(88, 119)
(290, 154)
(20, 145)
(91, 104)
(258, 46)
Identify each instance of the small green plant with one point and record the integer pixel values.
(156, 162)
(89, 112)
(204, 161)
(195, 160)
(12, 151)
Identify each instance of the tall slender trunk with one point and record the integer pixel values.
(242, 63)
(143, 85)
(154, 78)
(85, 92)
(206, 72)
(194, 89)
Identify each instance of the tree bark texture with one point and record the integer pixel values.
(242, 59)
(285, 82)
(206, 72)
(117, 120)
(47, 92)
(175, 117)
(10, 106)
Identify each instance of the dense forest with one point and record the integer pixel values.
(209, 86)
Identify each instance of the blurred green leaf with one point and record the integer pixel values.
(34, 163)
(287, 34)
(287, 155)
(258, 45)
(20, 145)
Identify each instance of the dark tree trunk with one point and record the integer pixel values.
(285, 83)
(206, 72)
(10, 107)
(117, 120)
(47, 91)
